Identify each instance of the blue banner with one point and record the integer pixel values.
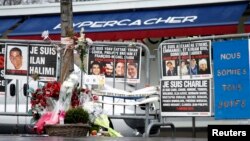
(231, 79)
(178, 17)
(7, 23)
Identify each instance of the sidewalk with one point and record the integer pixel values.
(47, 138)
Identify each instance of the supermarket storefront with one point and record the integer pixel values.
(213, 19)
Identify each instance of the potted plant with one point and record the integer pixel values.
(76, 115)
(76, 124)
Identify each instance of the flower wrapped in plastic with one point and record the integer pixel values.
(44, 97)
(81, 46)
(97, 115)
(65, 98)
(56, 97)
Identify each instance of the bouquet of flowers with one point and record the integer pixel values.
(44, 98)
(53, 99)
(76, 41)
(97, 116)
(81, 46)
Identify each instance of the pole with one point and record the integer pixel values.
(67, 58)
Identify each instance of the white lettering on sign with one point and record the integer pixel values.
(2, 73)
(42, 70)
(136, 22)
(229, 56)
(2, 82)
(230, 133)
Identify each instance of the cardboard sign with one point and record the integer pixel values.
(186, 97)
(186, 59)
(231, 79)
(121, 63)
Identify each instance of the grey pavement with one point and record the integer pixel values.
(48, 138)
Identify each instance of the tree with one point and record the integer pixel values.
(67, 56)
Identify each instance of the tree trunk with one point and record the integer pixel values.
(67, 58)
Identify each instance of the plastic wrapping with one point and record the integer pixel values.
(59, 107)
(97, 116)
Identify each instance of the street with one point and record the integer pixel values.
(46, 138)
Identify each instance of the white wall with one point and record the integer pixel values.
(101, 5)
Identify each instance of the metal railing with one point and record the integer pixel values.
(163, 120)
(143, 115)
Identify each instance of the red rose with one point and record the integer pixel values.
(39, 96)
(33, 95)
(43, 103)
(95, 97)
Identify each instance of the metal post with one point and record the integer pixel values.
(17, 104)
(193, 127)
(5, 94)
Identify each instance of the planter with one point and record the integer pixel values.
(68, 130)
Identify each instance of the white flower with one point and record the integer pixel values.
(89, 41)
(45, 35)
(81, 38)
(73, 78)
(67, 84)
